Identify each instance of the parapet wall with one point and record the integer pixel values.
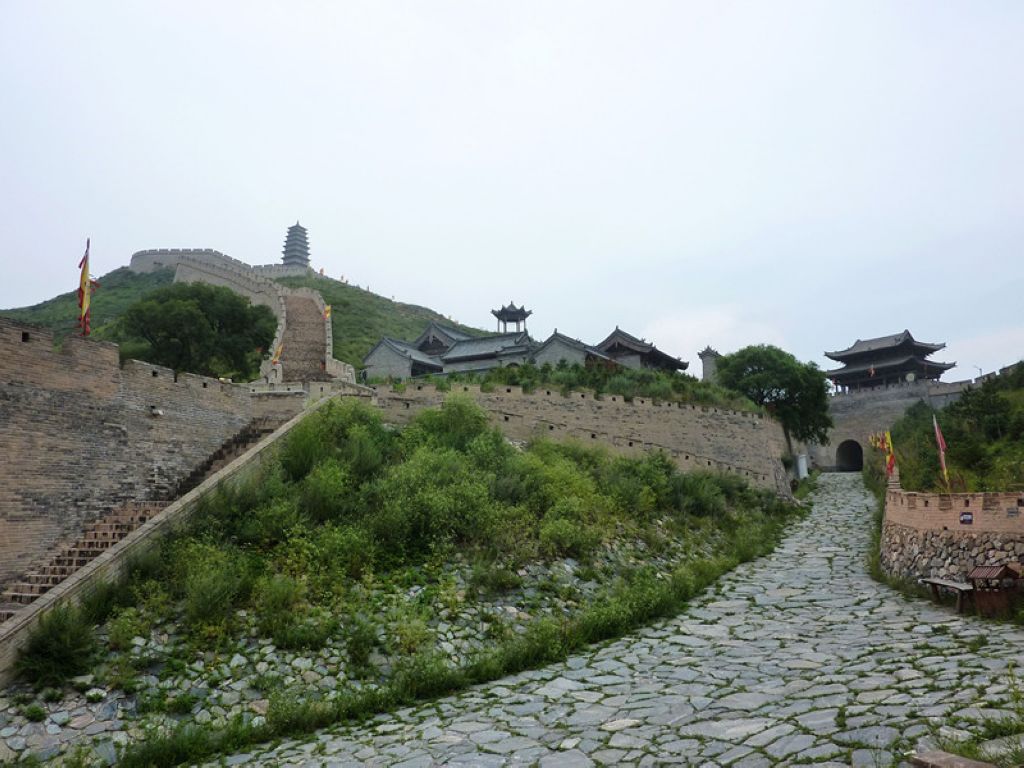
(945, 535)
(80, 433)
(697, 437)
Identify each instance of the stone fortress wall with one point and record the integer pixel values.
(81, 433)
(945, 535)
(860, 413)
(697, 437)
(308, 342)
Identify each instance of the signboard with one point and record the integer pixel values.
(966, 518)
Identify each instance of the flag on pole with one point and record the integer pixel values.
(277, 354)
(85, 288)
(890, 455)
(327, 311)
(941, 442)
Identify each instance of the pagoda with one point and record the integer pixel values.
(512, 314)
(884, 361)
(296, 247)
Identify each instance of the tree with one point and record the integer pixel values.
(795, 393)
(199, 328)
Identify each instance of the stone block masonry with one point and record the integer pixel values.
(945, 535)
(80, 433)
(697, 437)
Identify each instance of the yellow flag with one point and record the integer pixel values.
(277, 355)
(327, 311)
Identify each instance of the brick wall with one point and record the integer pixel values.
(697, 437)
(79, 434)
(945, 535)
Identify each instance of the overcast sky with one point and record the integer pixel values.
(723, 173)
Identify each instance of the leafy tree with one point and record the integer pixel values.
(198, 328)
(795, 393)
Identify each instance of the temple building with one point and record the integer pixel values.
(296, 247)
(632, 352)
(441, 349)
(884, 361)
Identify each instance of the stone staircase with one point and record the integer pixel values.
(117, 523)
(98, 537)
(305, 352)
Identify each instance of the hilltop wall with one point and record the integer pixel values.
(697, 437)
(945, 535)
(307, 345)
(80, 433)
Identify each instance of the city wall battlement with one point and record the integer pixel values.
(697, 437)
(82, 432)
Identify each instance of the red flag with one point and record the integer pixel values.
(941, 442)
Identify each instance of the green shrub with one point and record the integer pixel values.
(128, 624)
(275, 599)
(433, 497)
(34, 713)
(493, 578)
(303, 448)
(60, 647)
(561, 536)
(698, 493)
(214, 580)
(360, 640)
(347, 551)
(325, 492)
(455, 425)
(307, 631)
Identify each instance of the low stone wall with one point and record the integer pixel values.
(697, 437)
(946, 535)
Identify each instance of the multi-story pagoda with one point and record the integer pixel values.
(886, 360)
(512, 314)
(296, 247)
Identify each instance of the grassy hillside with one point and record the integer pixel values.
(984, 433)
(118, 291)
(360, 318)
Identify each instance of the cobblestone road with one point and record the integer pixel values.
(798, 657)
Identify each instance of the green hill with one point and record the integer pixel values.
(118, 291)
(359, 318)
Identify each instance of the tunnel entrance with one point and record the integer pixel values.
(849, 456)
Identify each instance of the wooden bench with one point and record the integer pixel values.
(961, 588)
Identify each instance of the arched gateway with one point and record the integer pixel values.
(849, 456)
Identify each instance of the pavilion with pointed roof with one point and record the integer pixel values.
(512, 314)
(886, 360)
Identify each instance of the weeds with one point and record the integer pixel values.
(60, 647)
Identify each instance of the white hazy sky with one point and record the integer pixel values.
(724, 173)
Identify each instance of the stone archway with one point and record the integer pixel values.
(849, 456)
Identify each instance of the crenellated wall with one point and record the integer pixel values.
(80, 433)
(947, 534)
(859, 413)
(307, 344)
(697, 437)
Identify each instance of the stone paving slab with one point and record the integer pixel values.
(798, 657)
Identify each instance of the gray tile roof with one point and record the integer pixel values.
(485, 346)
(883, 342)
(408, 350)
(575, 343)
